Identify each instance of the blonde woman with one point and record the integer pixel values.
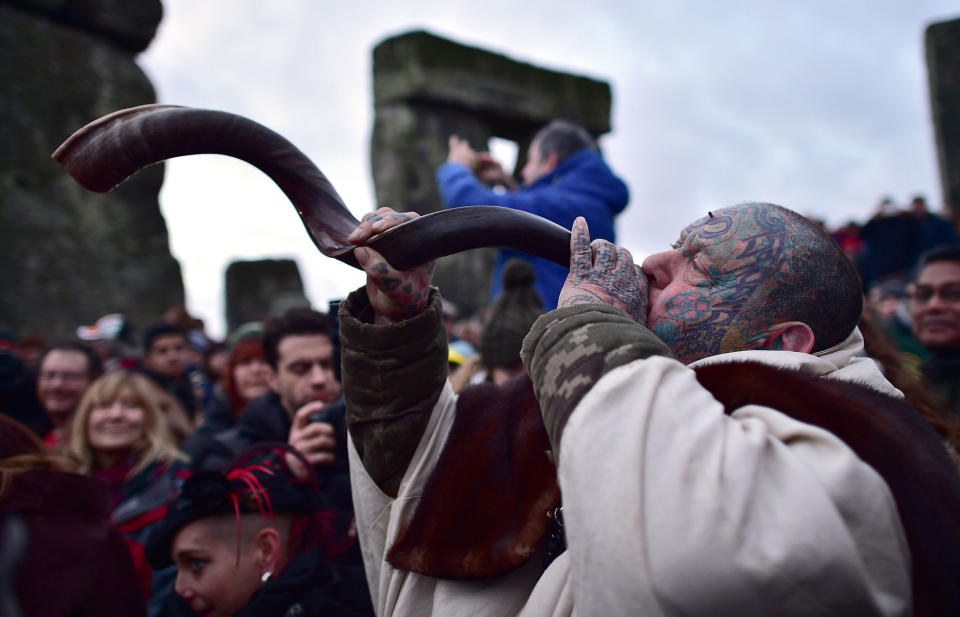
(120, 434)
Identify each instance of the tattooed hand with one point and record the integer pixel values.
(395, 295)
(601, 272)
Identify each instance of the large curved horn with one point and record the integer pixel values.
(447, 232)
(107, 151)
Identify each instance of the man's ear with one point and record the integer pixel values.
(551, 161)
(789, 336)
(267, 546)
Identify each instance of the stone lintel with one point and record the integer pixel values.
(419, 66)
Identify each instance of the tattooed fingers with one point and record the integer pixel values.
(581, 259)
(600, 272)
(605, 255)
(377, 222)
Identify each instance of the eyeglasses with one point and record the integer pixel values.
(63, 375)
(922, 294)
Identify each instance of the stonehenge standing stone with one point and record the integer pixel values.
(256, 289)
(70, 256)
(943, 72)
(426, 88)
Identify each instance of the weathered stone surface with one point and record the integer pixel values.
(409, 142)
(69, 255)
(943, 70)
(129, 24)
(256, 289)
(427, 88)
(422, 66)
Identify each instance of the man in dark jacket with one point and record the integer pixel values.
(564, 177)
(302, 408)
(935, 311)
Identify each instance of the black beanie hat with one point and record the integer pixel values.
(511, 316)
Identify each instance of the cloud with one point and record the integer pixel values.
(819, 106)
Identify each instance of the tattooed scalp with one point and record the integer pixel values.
(823, 290)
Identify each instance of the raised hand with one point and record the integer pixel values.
(602, 272)
(316, 441)
(394, 294)
(462, 153)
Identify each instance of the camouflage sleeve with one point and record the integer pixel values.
(568, 350)
(392, 377)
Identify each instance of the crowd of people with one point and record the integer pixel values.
(729, 427)
(917, 332)
(253, 427)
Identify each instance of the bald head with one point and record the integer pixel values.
(823, 289)
(739, 271)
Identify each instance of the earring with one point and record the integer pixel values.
(265, 577)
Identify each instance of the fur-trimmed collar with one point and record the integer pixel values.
(845, 361)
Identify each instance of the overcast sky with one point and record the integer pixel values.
(822, 107)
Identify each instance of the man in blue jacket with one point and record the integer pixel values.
(565, 177)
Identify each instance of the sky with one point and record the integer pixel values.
(819, 106)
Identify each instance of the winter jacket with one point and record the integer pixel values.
(310, 585)
(581, 185)
(76, 563)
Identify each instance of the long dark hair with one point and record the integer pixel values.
(879, 347)
(21, 450)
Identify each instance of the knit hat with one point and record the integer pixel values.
(511, 316)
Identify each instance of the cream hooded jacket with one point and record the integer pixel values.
(672, 507)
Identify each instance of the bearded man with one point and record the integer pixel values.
(720, 445)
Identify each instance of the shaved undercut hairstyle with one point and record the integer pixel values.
(225, 527)
(824, 291)
(563, 138)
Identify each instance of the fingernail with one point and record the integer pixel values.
(354, 234)
(362, 255)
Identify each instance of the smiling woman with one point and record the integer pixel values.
(119, 430)
(120, 435)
